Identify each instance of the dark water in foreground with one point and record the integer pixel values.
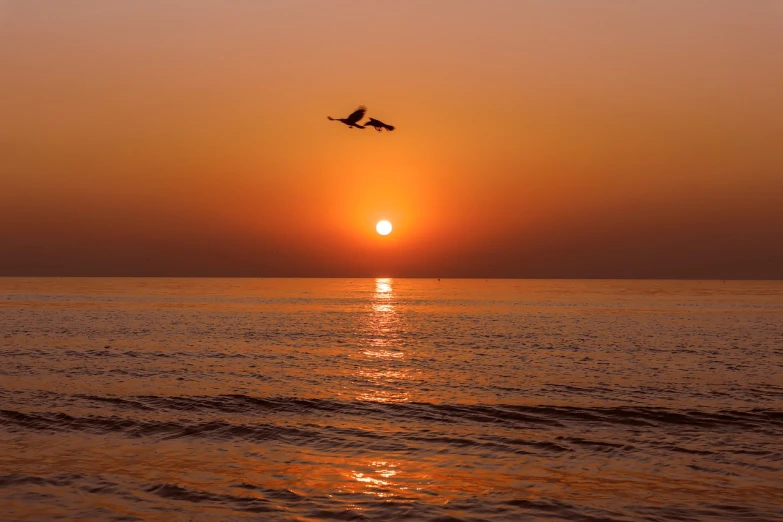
(131, 399)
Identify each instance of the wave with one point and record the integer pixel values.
(17, 479)
(327, 438)
(756, 419)
(401, 427)
(248, 504)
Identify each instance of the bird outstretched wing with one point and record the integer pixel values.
(357, 115)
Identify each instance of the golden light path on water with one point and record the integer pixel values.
(383, 360)
(383, 368)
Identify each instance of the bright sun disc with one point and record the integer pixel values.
(384, 228)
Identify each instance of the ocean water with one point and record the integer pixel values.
(385, 399)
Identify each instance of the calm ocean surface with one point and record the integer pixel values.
(306, 399)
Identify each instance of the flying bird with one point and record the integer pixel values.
(353, 119)
(378, 125)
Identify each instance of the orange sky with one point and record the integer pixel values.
(534, 138)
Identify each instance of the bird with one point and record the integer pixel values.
(378, 125)
(353, 119)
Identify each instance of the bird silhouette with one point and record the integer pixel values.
(378, 125)
(353, 119)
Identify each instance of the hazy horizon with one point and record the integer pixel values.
(534, 139)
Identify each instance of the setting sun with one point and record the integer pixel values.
(384, 228)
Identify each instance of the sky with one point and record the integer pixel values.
(534, 138)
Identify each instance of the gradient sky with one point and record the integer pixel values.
(535, 138)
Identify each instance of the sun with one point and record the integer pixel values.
(384, 228)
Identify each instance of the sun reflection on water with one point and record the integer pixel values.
(383, 371)
(377, 479)
(383, 288)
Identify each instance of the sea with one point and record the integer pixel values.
(390, 399)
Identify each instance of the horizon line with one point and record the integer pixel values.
(495, 278)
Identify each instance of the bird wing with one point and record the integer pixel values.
(357, 115)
